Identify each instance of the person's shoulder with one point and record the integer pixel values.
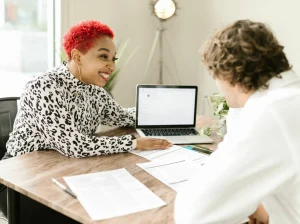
(47, 80)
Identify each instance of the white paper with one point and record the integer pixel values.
(173, 153)
(112, 193)
(172, 173)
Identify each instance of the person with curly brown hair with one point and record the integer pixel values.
(255, 172)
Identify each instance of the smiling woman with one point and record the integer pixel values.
(91, 52)
(62, 108)
(67, 103)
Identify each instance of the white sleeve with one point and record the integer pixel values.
(250, 164)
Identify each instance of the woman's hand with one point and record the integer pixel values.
(152, 143)
(260, 216)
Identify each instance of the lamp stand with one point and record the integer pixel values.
(158, 38)
(160, 80)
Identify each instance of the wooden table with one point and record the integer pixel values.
(30, 175)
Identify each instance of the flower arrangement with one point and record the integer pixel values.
(220, 110)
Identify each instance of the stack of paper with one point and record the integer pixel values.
(170, 172)
(174, 153)
(112, 193)
(173, 166)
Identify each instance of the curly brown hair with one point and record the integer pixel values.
(245, 53)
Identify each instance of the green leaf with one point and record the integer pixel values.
(220, 108)
(218, 104)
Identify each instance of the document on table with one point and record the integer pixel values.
(173, 173)
(173, 153)
(112, 193)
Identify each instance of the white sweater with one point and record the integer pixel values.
(257, 162)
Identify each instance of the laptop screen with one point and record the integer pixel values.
(165, 106)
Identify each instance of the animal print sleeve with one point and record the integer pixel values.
(54, 121)
(115, 115)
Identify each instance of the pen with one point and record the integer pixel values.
(201, 149)
(63, 188)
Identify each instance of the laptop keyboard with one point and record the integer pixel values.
(169, 132)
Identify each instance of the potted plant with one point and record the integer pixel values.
(219, 109)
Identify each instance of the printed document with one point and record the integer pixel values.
(172, 173)
(112, 193)
(173, 153)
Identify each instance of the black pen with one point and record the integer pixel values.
(63, 188)
(201, 149)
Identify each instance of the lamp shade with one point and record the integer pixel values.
(164, 9)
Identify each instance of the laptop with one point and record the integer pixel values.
(168, 112)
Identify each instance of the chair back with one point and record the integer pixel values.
(8, 112)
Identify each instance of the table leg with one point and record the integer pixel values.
(13, 206)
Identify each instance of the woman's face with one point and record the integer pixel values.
(99, 62)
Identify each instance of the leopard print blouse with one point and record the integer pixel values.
(59, 112)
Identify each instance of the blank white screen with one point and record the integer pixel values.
(166, 106)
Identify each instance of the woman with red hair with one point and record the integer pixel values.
(62, 108)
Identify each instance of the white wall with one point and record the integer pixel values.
(196, 20)
(130, 20)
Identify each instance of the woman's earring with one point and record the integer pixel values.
(79, 71)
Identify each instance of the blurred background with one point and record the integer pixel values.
(31, 31)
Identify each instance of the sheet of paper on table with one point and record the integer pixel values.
(172, 173)
(173, 153)
(112, 193)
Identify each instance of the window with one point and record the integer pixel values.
(25, 42)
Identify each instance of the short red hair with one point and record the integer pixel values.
(82, 35)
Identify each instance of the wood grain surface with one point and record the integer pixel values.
(30, 175)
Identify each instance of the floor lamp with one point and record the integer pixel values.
(163, 10)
